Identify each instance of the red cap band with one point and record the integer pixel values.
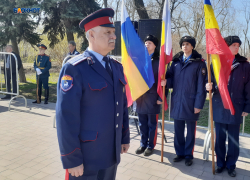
(98, 22)
(42, 47)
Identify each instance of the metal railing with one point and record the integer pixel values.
(14, 94)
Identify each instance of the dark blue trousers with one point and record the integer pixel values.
(103, 174)
(184, 146)
(44, 82)
(227, 159)
(148, 128)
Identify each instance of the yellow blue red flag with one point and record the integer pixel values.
(136, 61)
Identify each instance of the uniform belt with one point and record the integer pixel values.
(41, 67)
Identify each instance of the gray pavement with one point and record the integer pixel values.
(29, 150)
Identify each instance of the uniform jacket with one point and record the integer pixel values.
(239, 90)
(146, 104)
(43, 62)
(13, 62)
(91, 113)
(75, 52)
(188, 83)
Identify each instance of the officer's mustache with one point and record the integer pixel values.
(111, 41)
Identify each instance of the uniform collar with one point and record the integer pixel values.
(72, 52)
(151, 55)
(42, 54)
(184, 59)
(98, 56)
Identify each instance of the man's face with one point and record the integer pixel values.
(234, 48)
(150, 46)
(186, 47)
(41, 50)
(8, 49)
(104, 38)
(71, 47)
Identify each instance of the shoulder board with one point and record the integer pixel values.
(77, 59)
(203, 60)
(115, 60)
(46, 55)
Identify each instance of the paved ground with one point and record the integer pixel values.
(29, 150)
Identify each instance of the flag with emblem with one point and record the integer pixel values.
(166, 48)
(136, 61)
(221, 56)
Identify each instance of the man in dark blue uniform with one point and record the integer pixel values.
(91, 110)
(187, 77)
(72, 48)
(239, 90)
(42, 65)
(148, 105)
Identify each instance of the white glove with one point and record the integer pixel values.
(38, 71)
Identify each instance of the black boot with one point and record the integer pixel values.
(46, 95)
(39, 96)
(6, 97)
(178, 158)
(140, 150)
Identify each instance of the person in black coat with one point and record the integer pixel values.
(11, 70)
(187, 77)
(148, 105)
(239, 90)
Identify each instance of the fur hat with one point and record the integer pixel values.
(232, 39)
(151, 38)
(188, 39)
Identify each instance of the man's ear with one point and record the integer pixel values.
(91, 34)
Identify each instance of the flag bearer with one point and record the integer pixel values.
(225, 123)
(148, 105)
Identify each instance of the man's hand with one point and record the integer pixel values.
(76, 171)
(209, 86)
(196, 110)
(158, 102)
(125, 148)
(163, 82)
(244, 114)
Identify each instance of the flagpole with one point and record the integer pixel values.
(162, 130)
(211, 112)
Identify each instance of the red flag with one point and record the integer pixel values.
(166, 48)
(221, 56)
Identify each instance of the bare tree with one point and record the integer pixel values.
(141, 10)
(105, 3)
(246, 45)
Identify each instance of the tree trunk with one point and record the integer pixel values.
(141, 10)
(105, 3)
(161, 11)
(68, 26)
(21, 73)
(70, 36)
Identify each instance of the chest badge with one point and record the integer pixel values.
(203, 71)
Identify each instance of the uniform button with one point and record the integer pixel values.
(117, 103)
(117, 126)
(117, 114)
